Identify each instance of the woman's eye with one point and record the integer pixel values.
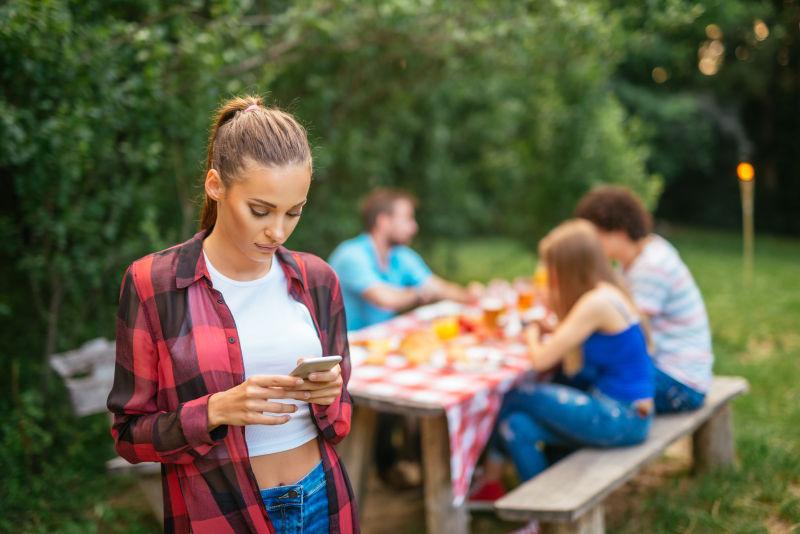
(259, 213)
(297, 214)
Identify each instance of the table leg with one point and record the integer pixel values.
(357, 449)
(440, 514)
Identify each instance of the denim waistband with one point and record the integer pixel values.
(310, 484)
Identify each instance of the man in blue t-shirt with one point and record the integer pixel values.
(379, 274)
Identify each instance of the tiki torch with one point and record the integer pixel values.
(746, 174)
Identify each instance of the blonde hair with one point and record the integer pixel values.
(244, 129)
(576, 264)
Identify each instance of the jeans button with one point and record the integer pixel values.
(292, 494)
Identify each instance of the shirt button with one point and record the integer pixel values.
(219, 300)
(231, 339)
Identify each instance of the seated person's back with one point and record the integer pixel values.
(666, 292)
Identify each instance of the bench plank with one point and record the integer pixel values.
(574, 485)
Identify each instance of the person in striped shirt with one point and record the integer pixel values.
(665, 292)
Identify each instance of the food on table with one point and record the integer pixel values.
(469, 323)
(479, 359)
(377, 349)
(458, 348)
(446, 327)
(456, 354)
(419, 346)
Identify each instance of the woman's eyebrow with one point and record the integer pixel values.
(273, 206)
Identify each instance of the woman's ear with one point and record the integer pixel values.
(215, 188)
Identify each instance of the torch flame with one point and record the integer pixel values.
(745, 171)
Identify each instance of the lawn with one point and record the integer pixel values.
(756, 335)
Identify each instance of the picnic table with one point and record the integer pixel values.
(457, 406)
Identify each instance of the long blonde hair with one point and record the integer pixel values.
(575, 262)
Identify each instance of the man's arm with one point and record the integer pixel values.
(394, 298)
(439, 289)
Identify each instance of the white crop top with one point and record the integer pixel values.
(274, 331)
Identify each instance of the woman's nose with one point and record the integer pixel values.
(276, 232)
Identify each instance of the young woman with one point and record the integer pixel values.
(598, 317)
(207, 334)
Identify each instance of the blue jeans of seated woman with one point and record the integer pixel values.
(535, 415)
(673, 396)
(299, 508)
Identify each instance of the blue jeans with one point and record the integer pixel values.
(673, 396)
(535, 415)
(299, 508)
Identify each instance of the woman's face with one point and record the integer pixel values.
(260, 209)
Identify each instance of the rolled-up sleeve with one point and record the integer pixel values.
(142, 432)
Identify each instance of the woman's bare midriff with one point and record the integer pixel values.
(287, 467)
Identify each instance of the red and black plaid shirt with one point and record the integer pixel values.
(176, 345)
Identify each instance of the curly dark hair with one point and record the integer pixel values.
(612, 207)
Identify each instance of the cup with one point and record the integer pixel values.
(540, 277)
(525, 294)
(492, 308)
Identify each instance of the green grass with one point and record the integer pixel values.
(756, 332)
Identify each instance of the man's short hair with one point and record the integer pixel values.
(613, 207)
(382, 200)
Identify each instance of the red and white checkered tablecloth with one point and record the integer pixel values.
(470, 395)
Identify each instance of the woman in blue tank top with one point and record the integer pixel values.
(599, 325)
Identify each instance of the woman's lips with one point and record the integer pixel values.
(267, 248)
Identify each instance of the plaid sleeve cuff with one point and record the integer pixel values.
(194, 422)
(327, 414)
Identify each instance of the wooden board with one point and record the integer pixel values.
(441, 517)
(396, 405)
(121, 466)
(576, 484)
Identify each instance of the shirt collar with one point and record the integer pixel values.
(192, 264)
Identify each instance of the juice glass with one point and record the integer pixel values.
(446, 327)
(492, 308)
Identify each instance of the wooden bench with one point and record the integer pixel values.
(88, 373)
(568, 497)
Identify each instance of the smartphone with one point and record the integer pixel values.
(315, 365)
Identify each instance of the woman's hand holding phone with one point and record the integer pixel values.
(322, 386)
(251, 401)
